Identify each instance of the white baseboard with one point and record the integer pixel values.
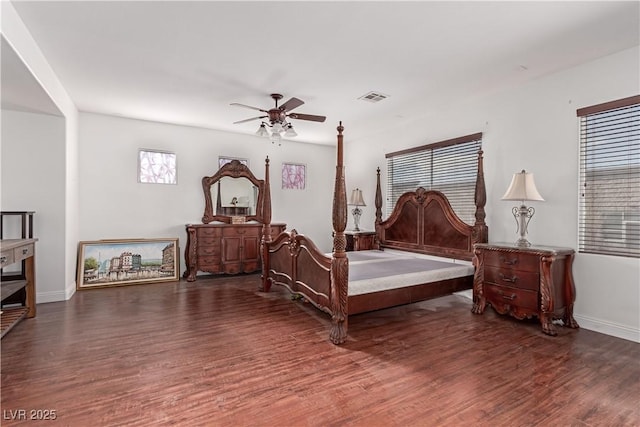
(70, 290)
(56, 296)
(608, 328)
(44, 297)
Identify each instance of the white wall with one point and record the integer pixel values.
(534, 127)
(113, 205)
(16, 34)
(33, 170)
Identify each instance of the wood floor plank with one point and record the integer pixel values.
(217, 352)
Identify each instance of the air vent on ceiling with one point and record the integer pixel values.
(374, 97)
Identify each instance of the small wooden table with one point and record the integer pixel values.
(360, 240)
(18, 294)
(525, 282)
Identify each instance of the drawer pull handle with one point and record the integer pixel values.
(508, 279)
(509, 297)
(513, 261)
(241, 231)
(3, 259)
(25, 251)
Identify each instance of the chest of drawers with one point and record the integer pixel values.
(224, 248)
(525, 282)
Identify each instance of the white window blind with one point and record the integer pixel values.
(609, 213)
(449, 166)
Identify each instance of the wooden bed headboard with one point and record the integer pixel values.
(424, 222)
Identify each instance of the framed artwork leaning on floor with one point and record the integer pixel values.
(127, 262)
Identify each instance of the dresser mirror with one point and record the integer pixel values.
(231, 192)
(234, 196)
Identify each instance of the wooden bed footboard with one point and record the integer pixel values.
(297, 264)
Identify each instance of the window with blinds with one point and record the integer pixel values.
(609, 213)
(449, 166)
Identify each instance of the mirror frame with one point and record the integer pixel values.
(233, 169)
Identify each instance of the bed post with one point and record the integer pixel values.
(266, 228)
(339, 260)
(378, 237)
(378, 199)
(480, 198)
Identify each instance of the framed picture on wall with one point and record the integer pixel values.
(126, 262)
(294, 176)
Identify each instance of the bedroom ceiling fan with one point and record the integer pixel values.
(277, 118)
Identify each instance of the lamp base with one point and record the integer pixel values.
(522, 216)
(357, 212)
(523, 243)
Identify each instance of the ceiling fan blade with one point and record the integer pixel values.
(310, 117)
(248, 120)
(248, 106)
(291, 104)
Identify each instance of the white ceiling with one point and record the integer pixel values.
(20, 90)
(184, 62)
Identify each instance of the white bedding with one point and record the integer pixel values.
(374, 271)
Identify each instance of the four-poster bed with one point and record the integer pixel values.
(425, 253)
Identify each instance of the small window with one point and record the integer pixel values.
(609, 214)
(156, 167)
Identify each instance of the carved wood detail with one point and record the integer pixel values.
(525, 282)
(233, 169)
(339, 262)
(400, 227)
(232, 248)
(419, 219)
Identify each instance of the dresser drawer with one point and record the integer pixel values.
(6, 258)
(23, 252)
(241, 231)
(208, 241)
(512, 296)
(520, 261)
(204, 232)
(209, 250)
(512, 277)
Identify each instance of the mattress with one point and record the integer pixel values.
(375, 271)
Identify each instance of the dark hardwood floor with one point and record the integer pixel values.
(216, 352)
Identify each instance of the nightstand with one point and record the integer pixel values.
(360, 240)
(525, 282)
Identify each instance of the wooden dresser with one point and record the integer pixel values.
(224, 248)
(525, 282)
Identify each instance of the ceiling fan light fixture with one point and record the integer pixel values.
(276, 127)
(276, 118)
(290, 133)
(276, 138)
(262, 130)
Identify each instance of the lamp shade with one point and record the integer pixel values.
(290, 132)
(356, 198)
(262, 130)
(522, 188)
